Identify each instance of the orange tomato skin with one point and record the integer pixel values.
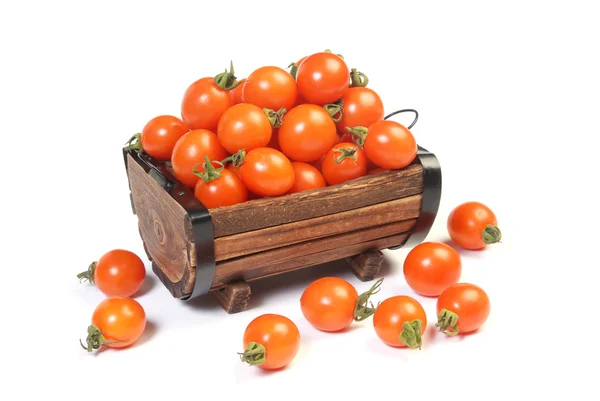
(390, 145)
(236, 93)
(323, 78)
(270, 87)
(280, 337)
(226, 190)
(244, 126)
(160, 135)
(306, 177)
(466, 223)
(204, 103)
(391, 314)
(431, 267)
(267, 172)
(469, 302)
(122, 320)
(328, 303)
(190, 149)
(274, 142)
(362, 107)
(119, 273)
(348, 169)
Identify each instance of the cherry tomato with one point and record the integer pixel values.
(274, 142)
(270, 341)
(345, 161)
(271, 88)
(244, 126)
(234, 169)
(318, 163)
(159, 135)
(117, 322)
(307, 133)
(306, 177)
(190, 150)
(219, 187)
(462, 308)
(267, 172)
(473, 225)
(203, 104)
(118, 273)
(362, 107)
(400, 321)
(323, 78)
(431, 267)
(376, 170)
(332, 304)
(236, 93)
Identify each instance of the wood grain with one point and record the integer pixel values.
(233, 297)
(366, 265)
(287, 234)
(354, 194)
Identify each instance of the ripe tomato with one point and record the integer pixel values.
(473, 225)
(387, 143)
(271, 88)
(118, 273)
(190, 150)
(117, 322)
(376, 170)
(244, 126)
(332, 304)
(158, 137)
(323, 78)
(236, 93)
(270, 341)
(307, 133)
(462, 308)
(345, 161)
(267, 172)
(294, 67)
(400, 321)
(431, 267)
(203, 104)
(219, 187)
(306, 177)
(361, 107)
(274, 142)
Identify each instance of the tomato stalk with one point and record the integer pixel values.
(358, 79)
(447, 320)
(339, 55)
(335, 110)
(254, 354)
(359, 134)
(95, 339)
(236, 159)
(363, 310)
(88, 274)
(134, 143)
(275, 117)
(210, 172)
(227, 80)
(491, 234)
(346, 153)
(294, 69)
(411, 334)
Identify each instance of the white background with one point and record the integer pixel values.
(509, 100)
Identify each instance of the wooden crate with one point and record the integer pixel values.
(195, 251)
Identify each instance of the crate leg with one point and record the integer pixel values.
(366, 265)
(234, 297)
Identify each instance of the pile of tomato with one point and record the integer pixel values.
(277, 132)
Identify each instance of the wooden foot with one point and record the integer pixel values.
(366, 265)
(234, 297)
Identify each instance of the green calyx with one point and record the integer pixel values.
(339, 55)
(254, 355)
(364, 308)
(491, 234)
(134, 143)
(411, 334)
(88, 274)
(293, 69)
(359, 134)
(236, 159)
(335, 110)
(358, 79)
(227, 79)
(447, 322)
(210, 173)
(346, 153)
(275, 117)
(95, 339)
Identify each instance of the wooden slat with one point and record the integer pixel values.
(354, 194)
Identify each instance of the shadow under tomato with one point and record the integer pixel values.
(149, 284)
(476, 254)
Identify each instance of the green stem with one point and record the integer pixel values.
(339, 55)
(491, 234)
(411, 334)
(335, 109)
(227, 80)
(236, 159)
(294, 69)
(254, 355)
(447, 320)
(95, 339)
(346, 153)
(363, 310)
(134, 143)
(88, 274)
(358, 79)
(360, 134)
(210, 173)
(275, 117)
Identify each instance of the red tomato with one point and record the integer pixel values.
(190, 150)
(204, 102)
(118, 273)
(462, 308)
(294, 67)
(323, 78)
(236, 93)
(267, 172)
(318, 164)
(117, 322)
(159, 135)
(307, 133)
(376, 170)
(332, 304)
(400, 321)
(274, 142)
(271, 88)
(244, 126)
(361, 107)
(234, 169)
(431, 267)
(345, 161)
(220, 187)
(306, 177)
(473, 225)
(270, 341)
(387, 143)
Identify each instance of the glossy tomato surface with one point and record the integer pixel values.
(203, 104)
(323, 78)
(160, 135)
(467, 222)
(362, 107)
(119, 273)
(270, 87)
(328, 303)
(120, 320)
(431, 267)
(226, 190)
(391, 314)
(470, 302)
(336, 171)
(390, 145)
(306, 177)
(267, 172)
(244, 126)
(278, 335)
